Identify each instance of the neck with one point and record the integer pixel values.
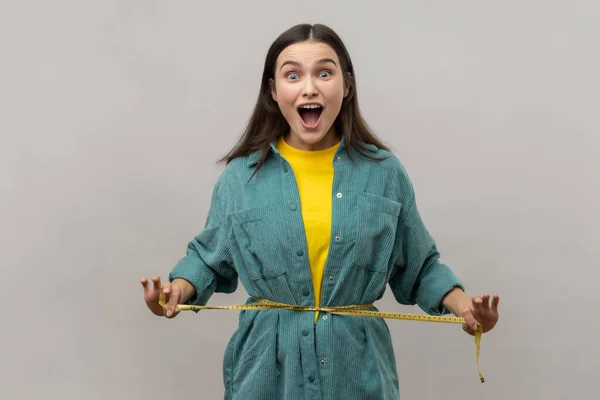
(328, 141)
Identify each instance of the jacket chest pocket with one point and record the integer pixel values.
(257, 235)
(377, 225)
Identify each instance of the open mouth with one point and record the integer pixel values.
(310, 114)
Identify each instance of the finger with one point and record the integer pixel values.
(485, 301)
(156, 281)
(495, 302)
(167, 288)
(144, 283)
(476, 301)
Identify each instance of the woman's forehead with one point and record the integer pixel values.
(306, 54)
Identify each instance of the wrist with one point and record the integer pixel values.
(455, 301)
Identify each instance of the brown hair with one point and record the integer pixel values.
(267, 123)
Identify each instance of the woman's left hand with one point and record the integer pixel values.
(480, 311)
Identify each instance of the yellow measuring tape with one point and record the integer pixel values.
(356, 310)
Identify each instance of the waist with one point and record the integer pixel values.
(293, 307)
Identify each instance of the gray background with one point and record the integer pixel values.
(112, 114)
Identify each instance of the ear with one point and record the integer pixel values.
(346, 90)
(273, 91)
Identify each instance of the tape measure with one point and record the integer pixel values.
(356, 310)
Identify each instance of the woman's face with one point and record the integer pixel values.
(309, 89)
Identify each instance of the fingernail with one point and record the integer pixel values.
(169, 313)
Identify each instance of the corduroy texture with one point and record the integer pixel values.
(255, 234)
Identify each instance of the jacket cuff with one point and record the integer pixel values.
(193, 270)
(434, 287)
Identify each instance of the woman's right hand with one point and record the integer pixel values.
(173, 293)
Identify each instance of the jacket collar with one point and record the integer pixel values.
(255, 156)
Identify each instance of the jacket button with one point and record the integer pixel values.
(300, 253)
(311, 379)
(306, 292)
(293, 207)
(305, 332)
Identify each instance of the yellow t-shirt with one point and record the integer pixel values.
(313, 171)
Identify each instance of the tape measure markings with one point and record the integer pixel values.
(354, 310)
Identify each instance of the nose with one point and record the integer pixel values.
(309, 89)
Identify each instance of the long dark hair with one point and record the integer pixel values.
(267, 123)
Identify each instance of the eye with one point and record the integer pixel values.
(324, 74)
(292, 75)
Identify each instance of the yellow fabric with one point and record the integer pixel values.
(313, 171)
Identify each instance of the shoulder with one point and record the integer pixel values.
(240, 176)
(387, 160)
(232, 174)
(394, 172)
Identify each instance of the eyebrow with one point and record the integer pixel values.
(297, 64)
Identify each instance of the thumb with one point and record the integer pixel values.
(174, 298)
(470, 320)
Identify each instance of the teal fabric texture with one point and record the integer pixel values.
(254, 235)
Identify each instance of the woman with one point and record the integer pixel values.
(312, 209)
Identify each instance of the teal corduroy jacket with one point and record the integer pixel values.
(254, 234)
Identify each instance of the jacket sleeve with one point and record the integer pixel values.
(418, 276)
(207, 264)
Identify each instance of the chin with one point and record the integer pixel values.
(311, 137)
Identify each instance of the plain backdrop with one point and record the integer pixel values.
(113, 114)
